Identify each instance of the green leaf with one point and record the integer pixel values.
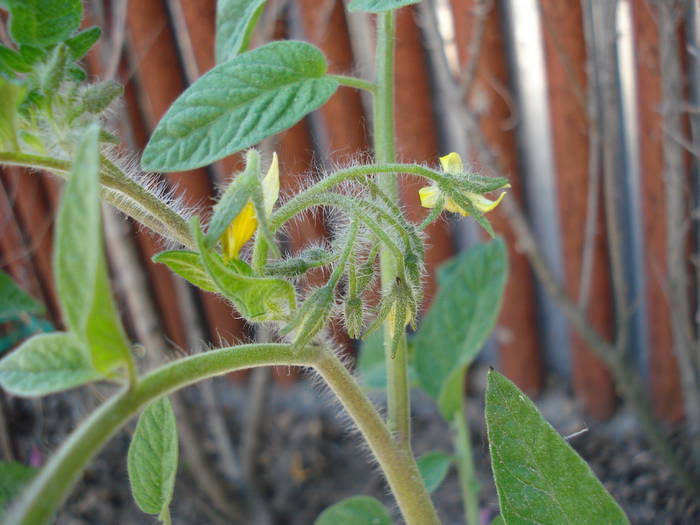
(81, 43)
(44, 22)
(47, 363)
(539, 477)
(433, 467)
(452, 392)
(237, 194)
(11, 94)
(462, 315)
(80, 270)
(15, 301)
(235, 21)
(188, 266)
(378, 6)
(257, 299)
(152, 458)
(498, 520)
(371, 363)
(13, 476)
(357, 510)
(14, 60)
(238, 103)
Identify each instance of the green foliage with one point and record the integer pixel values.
(15, 301)
(378, 6)
(433, 467)
(460, 319)
(357, 510)
(43, 22)
(539, 477)
(263, 92)
(13, 476)
(235, 21)
(10, 94)
(81, 43)
(371, 362)
(152, 458)
(79, 266)
(187, 265)
(257, 299)
(47, 363)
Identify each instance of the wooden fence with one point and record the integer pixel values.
(590, 107)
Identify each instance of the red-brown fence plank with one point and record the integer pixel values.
(35, 215)
(416, 136)
(565, 48)
(665, 380)
(519, 342)
(154, 51)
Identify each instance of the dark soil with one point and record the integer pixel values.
(309, 457)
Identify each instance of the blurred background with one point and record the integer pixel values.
(591, 108)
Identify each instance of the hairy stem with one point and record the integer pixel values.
(355, 82)
(398, 464)
(49, 489)
(120, 191)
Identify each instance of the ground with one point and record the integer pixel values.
(309, 457)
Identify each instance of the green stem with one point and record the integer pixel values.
(355, 82)
(141, 204)
(398, 400)
(50, 488)
(465, 465)
(397, 463)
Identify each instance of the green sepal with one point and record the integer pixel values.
(188, 265)
(234, 198)
(257, 299)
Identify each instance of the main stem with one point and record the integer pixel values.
(398, 418)
(397, 462)
(465, 466)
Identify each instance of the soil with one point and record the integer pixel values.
(310, 457)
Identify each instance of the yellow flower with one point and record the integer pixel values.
(431, 195)
(244, 225)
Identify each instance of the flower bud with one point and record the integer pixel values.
(311, 317)
(354, 317)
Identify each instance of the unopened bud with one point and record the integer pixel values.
(354, 317)
(295, 266)
(311, 317)
(98, 97)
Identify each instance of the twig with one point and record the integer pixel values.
(674, 174)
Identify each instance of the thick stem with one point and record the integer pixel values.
(398, 400)
(140, 204)
(465, 466)
(49, 489)
(398, 464)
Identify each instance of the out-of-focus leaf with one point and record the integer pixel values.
(43, 22)
(15, 301)
(378, 6)
(461, 317)
(13, 476)
(357, 510)
(433, 467)
(81, 43)
(235, 21)
(45, 364)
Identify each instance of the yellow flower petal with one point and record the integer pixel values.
(452, 163)
(453, 207)
(429, 196)
(271, 185)
(483, 204)
(239, 232)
